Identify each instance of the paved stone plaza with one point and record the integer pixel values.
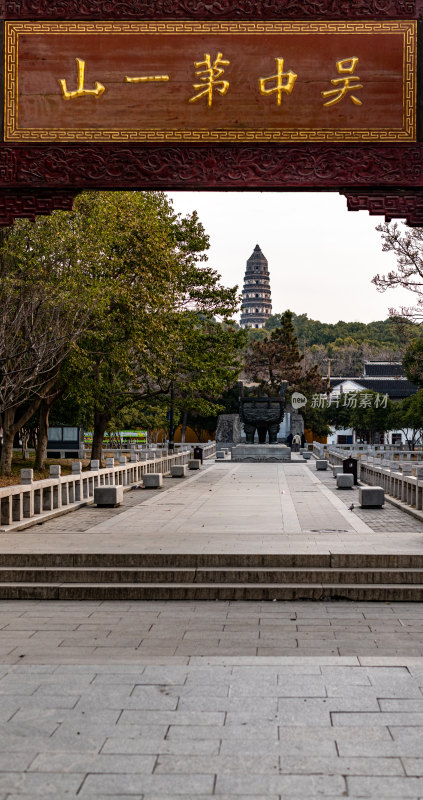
(256, 700)
(230, 508)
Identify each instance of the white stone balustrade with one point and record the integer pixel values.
(35, 500)
(400, 478)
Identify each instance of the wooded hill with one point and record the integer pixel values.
(392, 332)
(347, 345)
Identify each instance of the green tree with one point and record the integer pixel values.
(163, 304)
(278, 359)
(105, 291)
(407, 417)
(365, 412)
(48, 291)
(413, 362)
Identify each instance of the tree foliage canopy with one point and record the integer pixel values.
(111, 304)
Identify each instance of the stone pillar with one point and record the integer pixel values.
(27, 500)
(228, 431)
(27, 477)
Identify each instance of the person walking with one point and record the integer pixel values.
(296, 441)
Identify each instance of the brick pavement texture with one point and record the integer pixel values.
(172, 701)
(160, 701)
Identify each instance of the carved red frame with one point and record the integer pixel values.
(384, 179)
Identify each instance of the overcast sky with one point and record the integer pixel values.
(321, 256)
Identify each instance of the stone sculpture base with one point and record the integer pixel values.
(261, 452)
(228, 431)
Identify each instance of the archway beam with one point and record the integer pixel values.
(385, 179)
(204, 9)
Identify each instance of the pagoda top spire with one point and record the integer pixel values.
(257, 260)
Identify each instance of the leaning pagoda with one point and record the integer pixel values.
(256, 298)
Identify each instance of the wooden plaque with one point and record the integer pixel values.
(210, 82)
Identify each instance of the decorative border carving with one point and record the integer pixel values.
(407, 31)
(219, 9)
(207, 167)
(408, 206)
(14, 206)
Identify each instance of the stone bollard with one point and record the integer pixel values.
(306, 455)
(94, 464)
(55, 471)
(194, 463)
(27, 477)
(152, 480)
(321, 464)
(344, 481)
(337, 470)
(371, 496)
(178, 471)
(108, 496)
(76, 468)
(220, 454)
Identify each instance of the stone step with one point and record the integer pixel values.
(214, 591)
(214, 560)
(216, 575)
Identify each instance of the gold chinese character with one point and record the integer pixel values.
(147, 79)
(345, 67)
(284, 82)
(80, 91)
(210, 78)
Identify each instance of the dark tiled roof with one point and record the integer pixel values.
(383, 369)
(395, 388)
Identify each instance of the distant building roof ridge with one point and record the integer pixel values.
(395, 387)
(387, 369)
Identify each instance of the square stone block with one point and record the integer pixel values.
(108, 496)
(321, 464)
(336, 470)
(152, 480)
(178, 471)
(344, 481)
(220, 454)
(256, 453)
(194, 463)
(371, 496)
(27, 476)
(306, 455)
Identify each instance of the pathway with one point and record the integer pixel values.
(259, 701)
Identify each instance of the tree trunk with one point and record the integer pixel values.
(41, 449)
(9, 430)
(184, 427)
(101, 420)
(46, 405)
